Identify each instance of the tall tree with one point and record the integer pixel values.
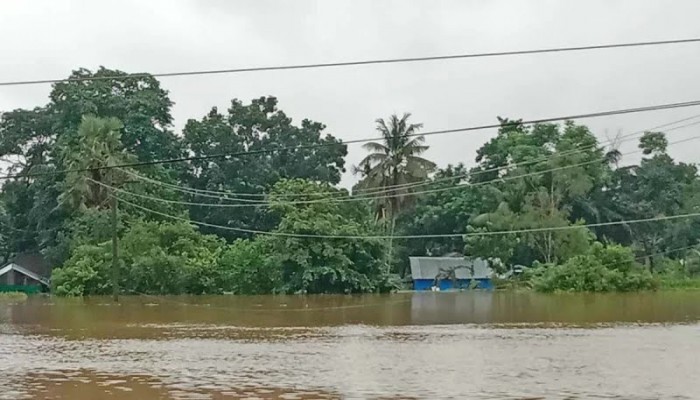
(394, 161)
(138, 101)
(99, 148)
(391, 165)
(34, 141)
(308, 153)
(544, 171)
(445, 211)
(658, 186)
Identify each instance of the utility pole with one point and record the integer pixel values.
(115, 250)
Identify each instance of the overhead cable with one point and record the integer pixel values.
(355, 198)
(355, 63)
(236, 196)
(659, 107)
(445, 235)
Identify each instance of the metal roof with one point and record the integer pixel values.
(430, 267)
(14, 267)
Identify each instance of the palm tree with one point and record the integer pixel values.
(395, 163)
(92, 163)
(98, 146)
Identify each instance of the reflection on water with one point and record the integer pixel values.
(422, 345)
(85, 384)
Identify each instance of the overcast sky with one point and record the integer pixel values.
(49, 38)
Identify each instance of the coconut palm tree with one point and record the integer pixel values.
(394, 163)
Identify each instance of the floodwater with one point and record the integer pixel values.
(476, 345)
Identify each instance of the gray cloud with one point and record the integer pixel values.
(47, 39)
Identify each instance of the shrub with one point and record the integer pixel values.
(84, 272)
(678, 282)
(245, 268)
(601, 269)
(155, 258)
(11, 297)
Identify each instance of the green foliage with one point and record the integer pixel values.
(320, 265)
(84, 273)
(156, 258)
(12, 297)
(169, 258)
(47, 138)
(137, 101)
(679, 282)
(254, 126)
(523, 203)
(98, 146)
(601, 269)
(653, 142)
(547, 172)
(658, 186)
(246, 268)
(444, 212)
(503, 246)
(679, 274)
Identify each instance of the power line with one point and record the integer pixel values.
(354, 198)
(343, 199)
(233, 196)
(445, 235)
(667, 106)
(620, 139)
(358, 63)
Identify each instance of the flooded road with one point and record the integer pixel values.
(413, 345)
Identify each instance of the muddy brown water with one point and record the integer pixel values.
(412, 345)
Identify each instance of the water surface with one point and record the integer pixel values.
(415, 345)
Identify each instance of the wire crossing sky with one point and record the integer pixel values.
(363, 62)
(658, 107)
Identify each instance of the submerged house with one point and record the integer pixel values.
(25, 273)
(450, 273)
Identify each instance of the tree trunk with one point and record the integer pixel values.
(115, 250)
(390, 250)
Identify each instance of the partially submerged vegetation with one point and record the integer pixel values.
(12, 297)
(601, 269)
(550, 197)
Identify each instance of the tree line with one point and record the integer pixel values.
(238, 218)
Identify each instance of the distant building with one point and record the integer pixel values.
(25, 273)
(446, 273)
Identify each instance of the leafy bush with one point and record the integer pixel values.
(170, 258)
(321, 265)
(11, 297)
(601, 269)
(674, 274)
(678, 282)
(155, 258)
(245, 268)
(85, 272)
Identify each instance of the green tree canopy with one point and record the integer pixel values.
(322, 265)
(259, 126)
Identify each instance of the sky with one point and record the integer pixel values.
(49, 38)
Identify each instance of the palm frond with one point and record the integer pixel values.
(424, 162)
(382, 128)
(376, 147)
(373, 159)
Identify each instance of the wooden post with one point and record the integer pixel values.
(115, 250)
